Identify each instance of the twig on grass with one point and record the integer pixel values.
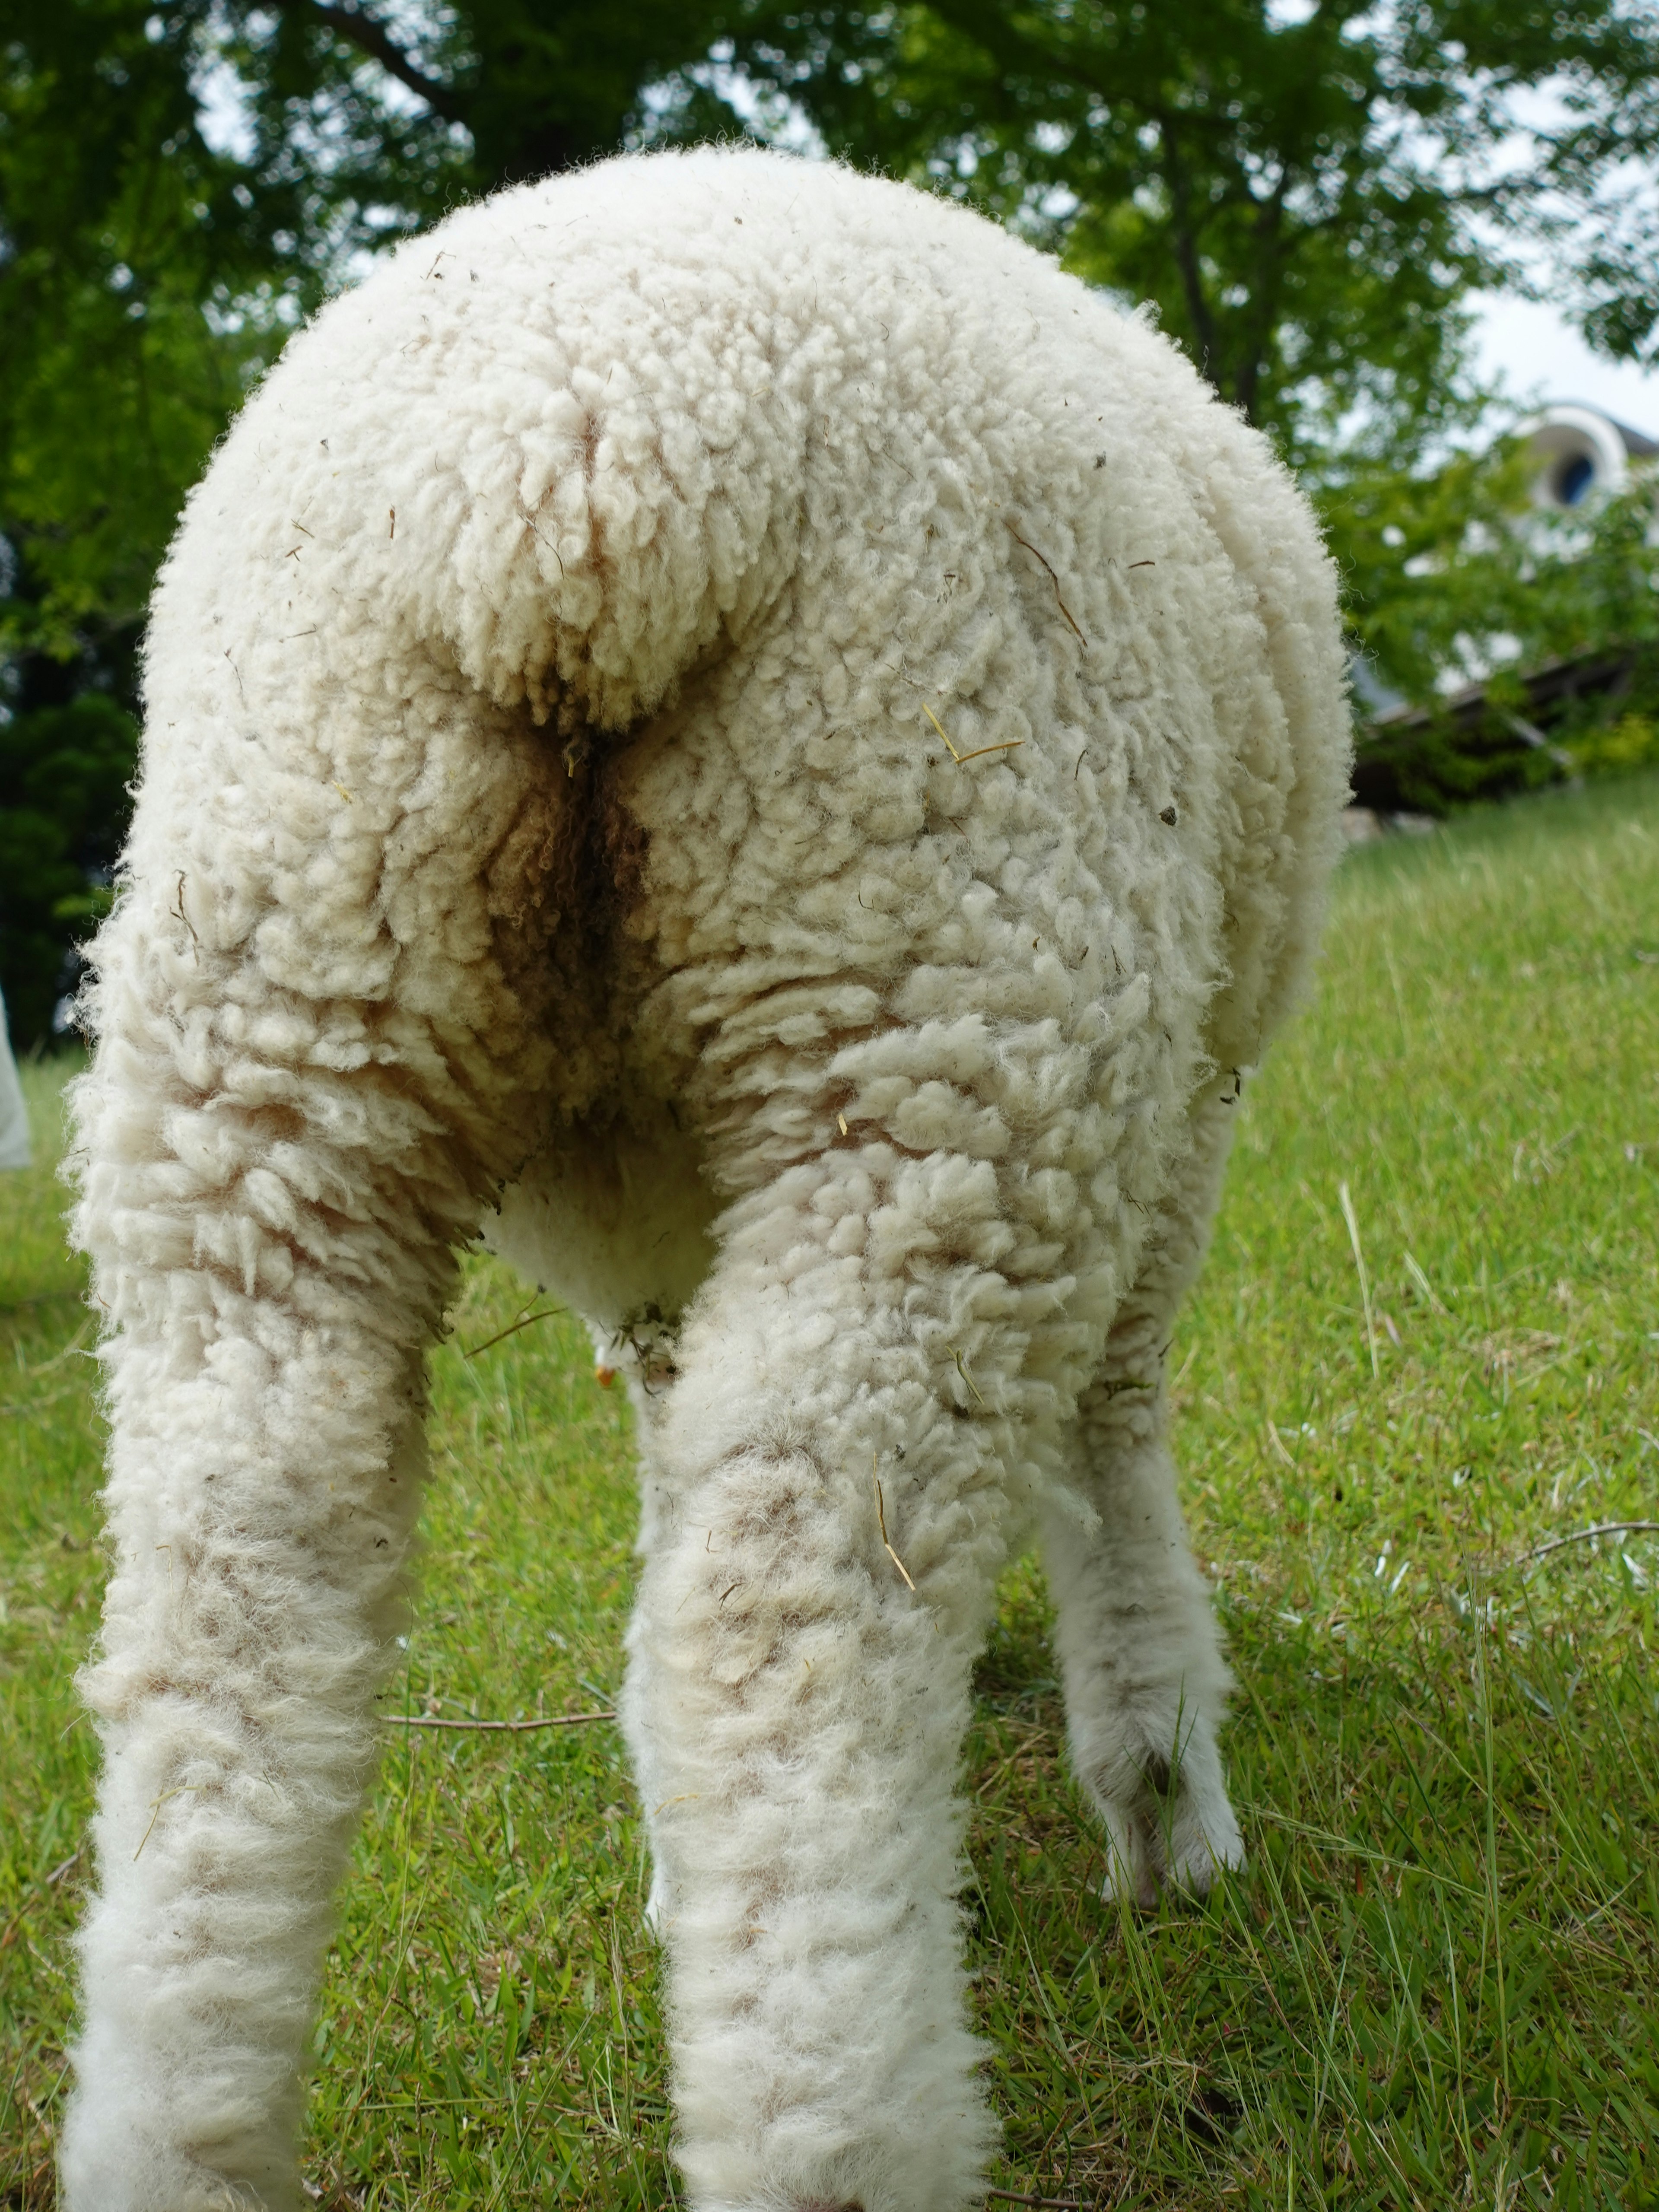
(1582, 1535)
(1345, 1846)
(28, 1406)
(501, 1728)
(45, 1298)
(512, 1329)
(51, 1882)
(45, 1366)
(1014, 2197)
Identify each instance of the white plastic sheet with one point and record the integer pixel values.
(14, 1114)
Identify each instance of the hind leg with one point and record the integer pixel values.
(1140, 1654)
(276, 1158)
(797, 1698)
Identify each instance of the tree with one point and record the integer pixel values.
(1307, 192)
(145, 274)
(121, 232)
(63, 774)
(150, 270)
(510, 89)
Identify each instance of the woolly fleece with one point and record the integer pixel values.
(735, 704)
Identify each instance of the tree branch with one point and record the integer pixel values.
(1121, 78)
(1185, 241)
(1264, 308)
(373, 38)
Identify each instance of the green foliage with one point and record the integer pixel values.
(64, 775)
(1435, 1984)
(119, 231)
(148, 276)
(1429, 558)
(142, 282)
(1458, 571)
(1308, 196)
(1615, 748)
(506, 89)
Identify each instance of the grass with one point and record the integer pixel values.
(1435, 1986)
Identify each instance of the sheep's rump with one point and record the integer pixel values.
(729, 606)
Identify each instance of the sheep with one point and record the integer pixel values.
(725, 720)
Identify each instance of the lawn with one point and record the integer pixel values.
(1436, 1985)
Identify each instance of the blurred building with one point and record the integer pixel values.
(1583, 455)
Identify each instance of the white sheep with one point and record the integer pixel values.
(732, 711)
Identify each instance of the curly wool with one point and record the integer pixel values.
(732, 704)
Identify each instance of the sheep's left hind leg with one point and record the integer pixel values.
(1145, 1682)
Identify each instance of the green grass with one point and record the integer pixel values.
(1433, 1988)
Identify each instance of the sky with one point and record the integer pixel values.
(1539, 355)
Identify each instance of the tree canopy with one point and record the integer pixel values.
(1309, 191)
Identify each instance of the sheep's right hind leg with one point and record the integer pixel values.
(1145, 1679)
(273, 1177)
